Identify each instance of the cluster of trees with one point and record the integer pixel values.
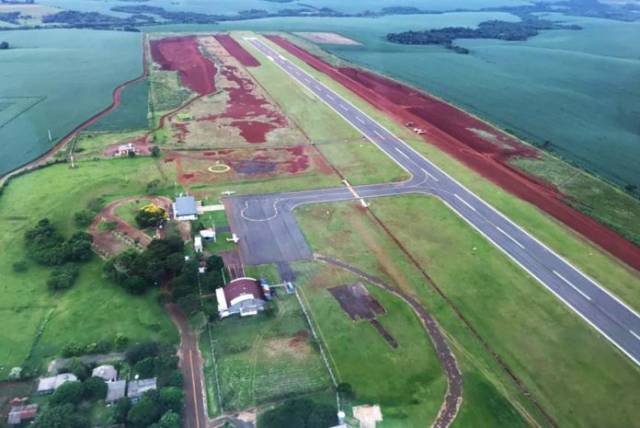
(47, 246)
(151, 215)
(185, 290)
(502, 30)
(161, 408)
(66, 405)
(137, 272)
(83, 218)
(103, 346)
(300, 413)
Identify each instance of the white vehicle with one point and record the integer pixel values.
(228, 192)
(234, 238)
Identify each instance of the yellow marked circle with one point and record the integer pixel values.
(219, 168)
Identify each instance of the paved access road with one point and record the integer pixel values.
(269, 233)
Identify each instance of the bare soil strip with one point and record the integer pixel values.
(453, 397)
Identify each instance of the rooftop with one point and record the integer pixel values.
(185, 206)
(138, 387)
(106, 372)
(242, 286)
(51, 383)
(115, 390)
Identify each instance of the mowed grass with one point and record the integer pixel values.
(266, 358)
(613, 207)
(93, 144)
(607, 270)
(94, 308)
(407, 382)
(339, 142)
(129, 210)
(546, 345)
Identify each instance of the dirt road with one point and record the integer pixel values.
(195, 412)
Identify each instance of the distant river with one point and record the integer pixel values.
(54, 80)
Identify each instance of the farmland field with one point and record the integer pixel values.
(266, 358)
(107, 59)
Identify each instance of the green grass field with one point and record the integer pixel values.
(407, 382)
(94, 308)
(607, 204)
(552, 350)
(128, 211)
(266, 358)
(607, 270)
(93, 144)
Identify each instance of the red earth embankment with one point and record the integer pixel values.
(478, 145)
(237, 51)
(182, 54)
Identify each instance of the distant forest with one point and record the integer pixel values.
(140, 15)
(501, 30)
(530, 23)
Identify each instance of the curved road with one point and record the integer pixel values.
(269, 233)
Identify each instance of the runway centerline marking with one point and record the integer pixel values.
(634, 334)
(466, 203)
(402, 153)
(585, 295)
(429, 175)
(510, 237)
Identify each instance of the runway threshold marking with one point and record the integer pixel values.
(585, 295)
(429, 175)
(510, 237)
(634, 334)
(470, 206)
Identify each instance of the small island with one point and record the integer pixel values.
(4, 45)
(522, 30)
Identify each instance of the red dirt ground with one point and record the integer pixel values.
(450, 128)
(237, 51)
(245, 105)
(182, 54)
(191, 167)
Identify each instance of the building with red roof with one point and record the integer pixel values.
(244, 296)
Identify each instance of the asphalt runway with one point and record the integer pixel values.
(269, 233)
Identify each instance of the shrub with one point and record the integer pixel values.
(155, 151)
(20, 266)
(94, 388)
(72, 349)
(63, 277)
(67, 393)
(121, 341)
(141, 351)
(83, 218)
(151, 215)
(79, 369)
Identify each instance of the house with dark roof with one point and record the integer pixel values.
(115, 390)
(138, 387)
(185, 208)
(244, 296)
